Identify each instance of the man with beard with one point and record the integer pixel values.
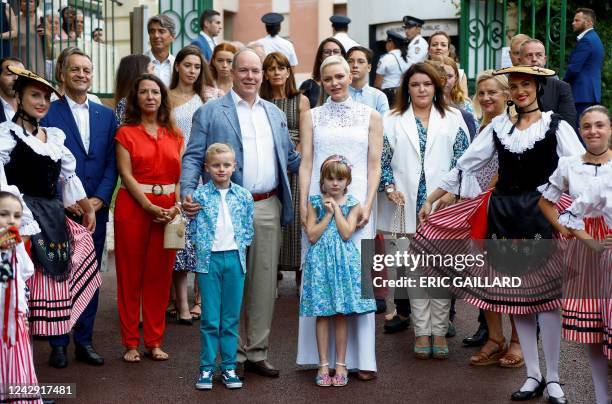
(586, 60)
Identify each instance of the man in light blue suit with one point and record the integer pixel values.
(211, 25)
(585, 63)
(257, 131)
(90, 136)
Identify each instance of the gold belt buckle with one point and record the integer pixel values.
(157, 191)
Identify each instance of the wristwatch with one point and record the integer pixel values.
(390, 189)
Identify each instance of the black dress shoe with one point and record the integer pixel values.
(184, 321)
(240, 370)
(87, 354)
(556, 400)
(396, 324)
(58, 358)
(262, 368)
(381, 306)
(529, 394)
(479, 338)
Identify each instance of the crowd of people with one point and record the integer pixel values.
(219, 148)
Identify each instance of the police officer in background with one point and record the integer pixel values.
(273, 42)
(417, 47)
(340, 25)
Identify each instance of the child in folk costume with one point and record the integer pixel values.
(588, 179)
(331, 284)
(16, 363)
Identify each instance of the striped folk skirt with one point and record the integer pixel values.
(56, 306)
(468, 220)
(17, 365)
(586, 310)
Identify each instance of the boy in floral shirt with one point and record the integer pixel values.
(222, 231)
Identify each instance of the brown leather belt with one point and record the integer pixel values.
(265, 195)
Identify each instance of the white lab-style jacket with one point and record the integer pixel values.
(401, 130)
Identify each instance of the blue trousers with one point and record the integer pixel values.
(83, 329)
(221, 290)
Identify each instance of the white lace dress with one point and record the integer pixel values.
(342, 128)
(183, 115)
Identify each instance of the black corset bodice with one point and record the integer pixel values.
(34, 174)
(524, 172)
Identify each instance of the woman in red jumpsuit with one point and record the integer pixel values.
(149, 151)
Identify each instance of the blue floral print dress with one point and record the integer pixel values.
(332, 271)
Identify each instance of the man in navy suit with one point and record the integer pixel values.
(7, 94)
(90, 132)
(257, 130)
(586, 60)
(211, 25)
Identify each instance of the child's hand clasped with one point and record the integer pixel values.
(330, 206)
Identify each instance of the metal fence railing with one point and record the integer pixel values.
(186, 15)
(485, 26)
(36, 32)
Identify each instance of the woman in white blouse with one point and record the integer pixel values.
(528, 147)
(342, 126)
(586, 318)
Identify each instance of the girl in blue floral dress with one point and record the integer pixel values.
(331, 285)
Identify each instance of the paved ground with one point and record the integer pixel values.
(402, 378)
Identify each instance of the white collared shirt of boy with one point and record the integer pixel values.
(163, 70)
(207, 227)
(260, 171)
(80, 112)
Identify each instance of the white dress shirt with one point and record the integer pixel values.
(210, 41)
(392, 66)
(224, 231)
(9, 112)
(163, 70)
(80, 112)
(260, 171)
(346, 41)
(278, 44)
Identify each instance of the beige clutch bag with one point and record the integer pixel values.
(174, 233)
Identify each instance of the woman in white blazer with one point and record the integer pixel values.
(425, 139)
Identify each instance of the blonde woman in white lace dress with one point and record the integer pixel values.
(354, 130)
(187, 92)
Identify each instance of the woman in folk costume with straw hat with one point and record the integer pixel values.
(35, 160)
(529, 146)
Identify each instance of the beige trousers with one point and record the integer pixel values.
(260, 282)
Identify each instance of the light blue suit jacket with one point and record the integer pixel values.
(217, 121)
(201, 43)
